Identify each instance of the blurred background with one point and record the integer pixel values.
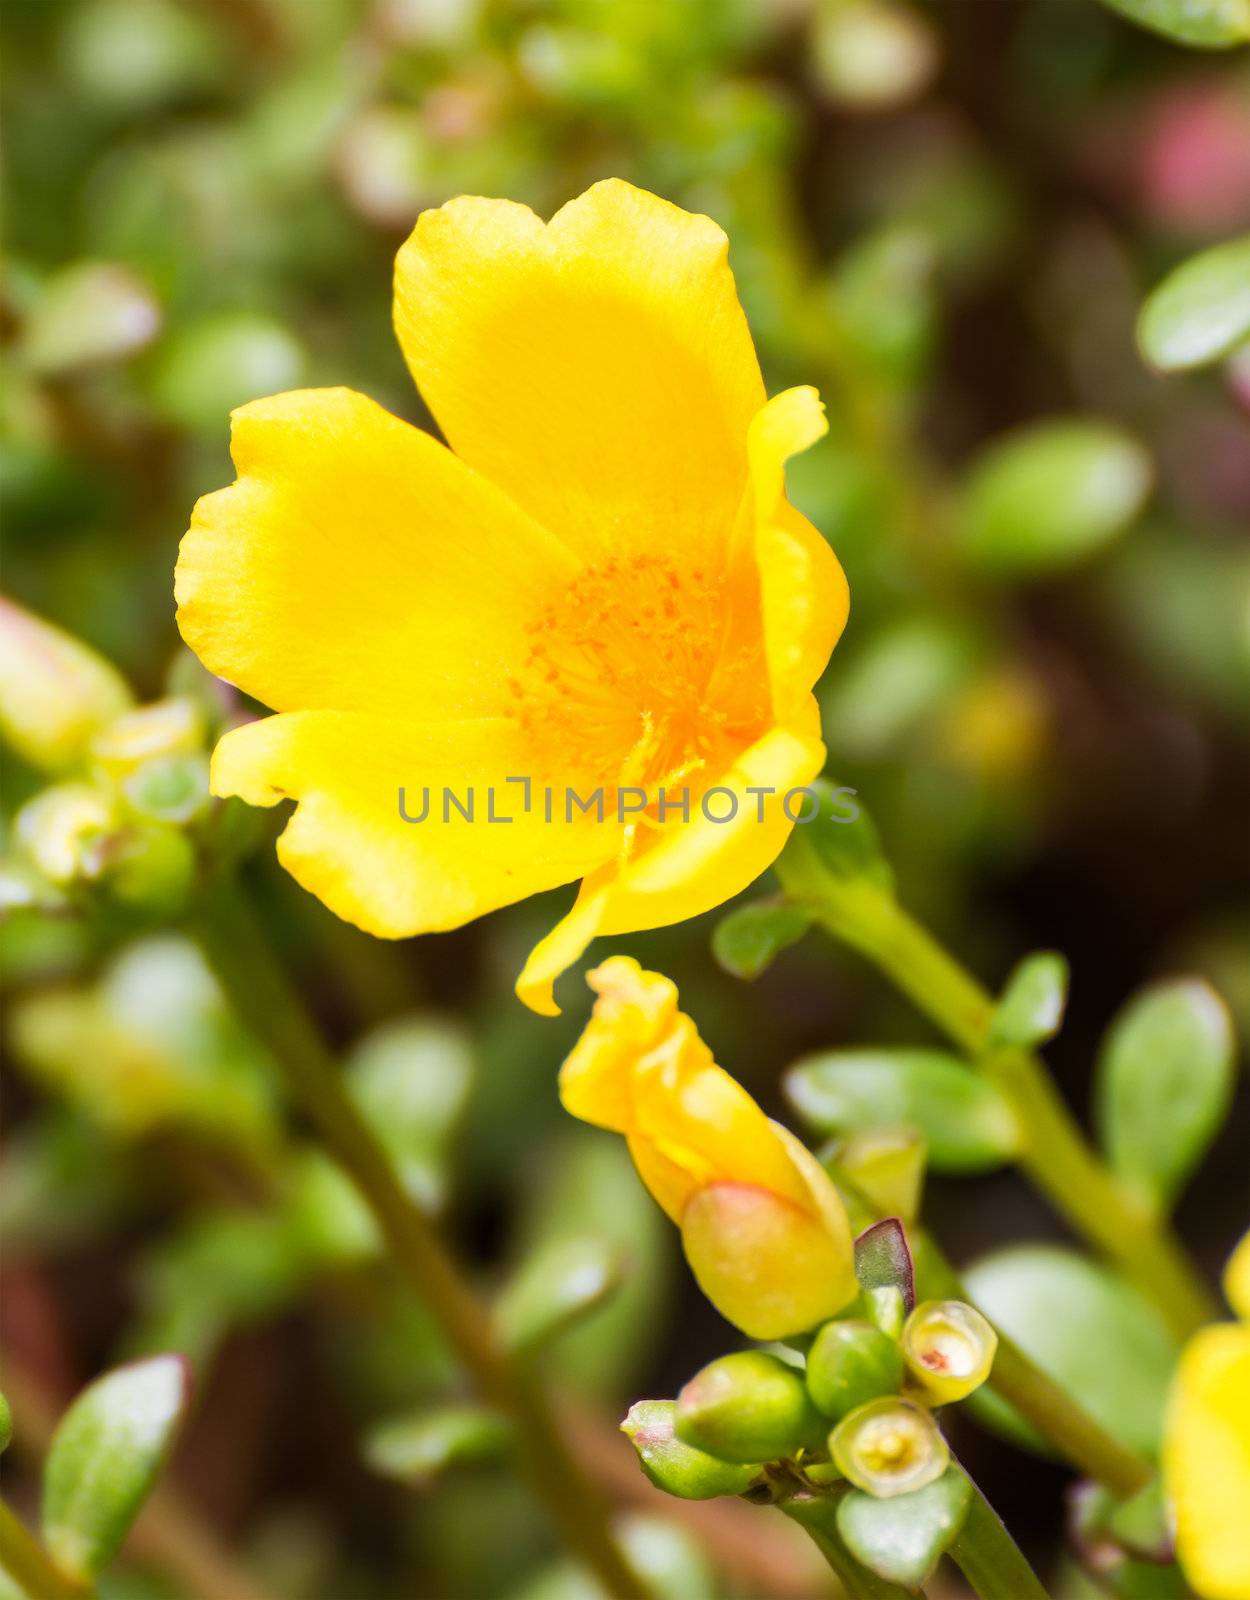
(946, 215)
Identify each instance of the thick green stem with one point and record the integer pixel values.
(31, 1569)
(817, 1515)
(1054, 1152)
(269, 1005)
(989, 1557)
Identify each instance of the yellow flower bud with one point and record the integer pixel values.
(949, 1349)
(763, 1227)
(61, 829)
(171, 727)
(54, 691)
(889, 1447)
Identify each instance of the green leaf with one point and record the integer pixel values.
(1205, 24)
(207, 368)
(93, 312)
(104, 1459)
(6, 1424)
(967, 1124)
(1031, 1008)
(558, 1285)
(587, 1185)
(1163, 1084)
(903, 1539)
(410, 1077)
(671, 1563)
(883, 1260)
(1087, 1329)
(749, 939)
(680, 1469)
(844, 838)
(1201, 311)
(1046, 497)
(415, 1447)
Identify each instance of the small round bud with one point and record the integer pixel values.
(171, 788)
(54, 690)
(889, 1447)
(63, 830)
(851, 1363)
(150, 867)
(677, 1468)
(165, 728)
(949, 1349)
(748, 1407)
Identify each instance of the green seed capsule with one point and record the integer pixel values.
(679, 1469)
(748, 1407)
(949, 1348)
(851, 1363)
(889, 1447)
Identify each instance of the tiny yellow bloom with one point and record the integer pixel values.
(1206, 1448)
(603, 588)
(763, 1227)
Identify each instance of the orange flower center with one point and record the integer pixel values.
(643, 673)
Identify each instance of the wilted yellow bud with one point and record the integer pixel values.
(61, 830)
(949, 1349)
(889, 1447)
(763, 1227)
(171, 727)
(54, 691)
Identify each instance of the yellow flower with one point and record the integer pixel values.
(763, 1227)
(1206, 1448)
(604, 587)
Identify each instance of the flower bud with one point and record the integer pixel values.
(54, 691)
(763, 1226)
(949, 1349)
(889, 1447)
(678, 1468)
(172, 727)
(150, 867)
(748, 1406)
(886, 1166)
(172, 788)
(849, 1364)
(770, 1269)
(63, 830)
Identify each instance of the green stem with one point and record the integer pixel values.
(265, 1000)
(989, 1557)
(1051, 1410)
(30, 1568)
(816, 1514)
(1055, 1153)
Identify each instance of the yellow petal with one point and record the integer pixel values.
(766, 1265)
(1206, 1462)
(1237, 1279)
(804, 594)
(598, 369)
(641, 1068)
(632, 1013)
(348, 844)
(692, 866)
(356, 565)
